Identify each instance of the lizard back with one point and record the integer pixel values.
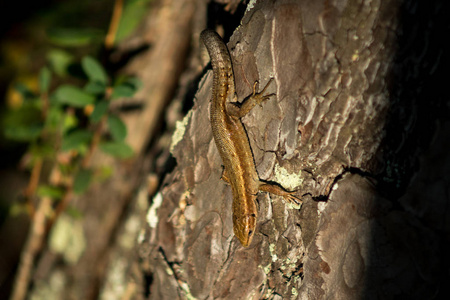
(231, 139)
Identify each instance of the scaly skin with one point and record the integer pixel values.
(232, 141)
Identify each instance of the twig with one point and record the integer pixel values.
(32, 185)
(32, 246)
(60, 208)
(94, 143)
(112, 31)
(84, 164)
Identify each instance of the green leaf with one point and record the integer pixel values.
(99, 111)
(132, 15)
(45, 76)
(126, 86)
(81, 181)
(117, 149)
(23, 133)
(74, 96)
(95, 88)
(54, 117)
(23, 124)
(59, 61)
(94, 70)
(117, 128)
(135, 82)
(123, 90)
(70, 121)
(73, 37)
(76, 139)
(50, 191)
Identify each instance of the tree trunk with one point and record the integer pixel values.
(328, 135)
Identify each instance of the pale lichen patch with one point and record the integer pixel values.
(287, 180)
(180, 128)
(67, 238)
(152, 216)
(272, 252)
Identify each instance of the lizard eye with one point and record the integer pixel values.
(250, 233)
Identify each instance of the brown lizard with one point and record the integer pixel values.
(232, 141)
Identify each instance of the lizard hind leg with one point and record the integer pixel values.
(279, 191)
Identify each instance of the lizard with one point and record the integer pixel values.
(232, 142)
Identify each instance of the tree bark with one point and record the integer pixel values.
(326, 134)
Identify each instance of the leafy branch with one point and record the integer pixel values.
(63, 127)
(64, 123)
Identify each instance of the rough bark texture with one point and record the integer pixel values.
(334, 65)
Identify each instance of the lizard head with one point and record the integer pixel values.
(244, 227)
